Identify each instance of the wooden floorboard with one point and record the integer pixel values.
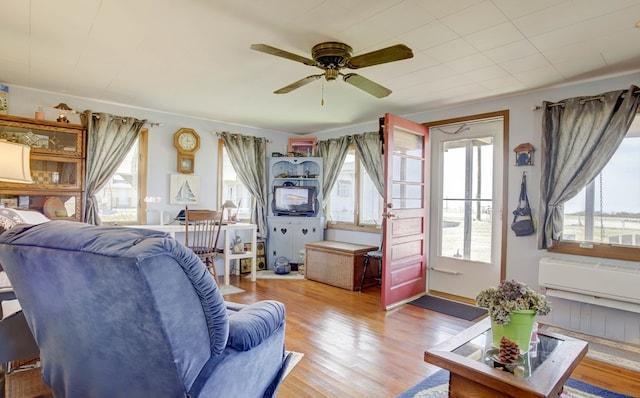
(355, 349)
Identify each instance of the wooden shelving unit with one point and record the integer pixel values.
(57, 167)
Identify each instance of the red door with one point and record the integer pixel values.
(405, 217)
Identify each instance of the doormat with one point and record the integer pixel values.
(449, 307)
(437, 386)
(229, 289)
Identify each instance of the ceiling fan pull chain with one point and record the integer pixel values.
(322, 99)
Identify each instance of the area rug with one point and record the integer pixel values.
(296, 357)
(437, 386)
(449, 307)
(269, 274)
(226, 290)
(616, 353)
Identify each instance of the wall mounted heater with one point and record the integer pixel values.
(608, 285)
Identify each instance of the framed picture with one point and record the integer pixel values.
(184, 189)
(303, 146)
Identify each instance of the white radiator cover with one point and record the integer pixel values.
(609, 285)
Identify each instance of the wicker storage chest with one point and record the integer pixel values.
(336, 263)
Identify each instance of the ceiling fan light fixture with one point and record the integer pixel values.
(331, 74)
(331, 54)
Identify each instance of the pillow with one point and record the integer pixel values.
(11, 217)
(8, 219)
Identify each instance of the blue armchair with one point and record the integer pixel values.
(125, 312)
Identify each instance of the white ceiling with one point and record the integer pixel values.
(192, 57)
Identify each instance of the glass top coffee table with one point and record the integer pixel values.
(476, 371)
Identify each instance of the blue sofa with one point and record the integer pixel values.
(125, 312)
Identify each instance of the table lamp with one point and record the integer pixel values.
(229, 205)
(15, 162)
(63, 110)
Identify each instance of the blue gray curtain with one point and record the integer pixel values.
(333, 152)
(369, 148)
(579, 136)
(248, 157)
(109, 139)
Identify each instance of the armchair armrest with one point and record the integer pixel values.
(250, 325)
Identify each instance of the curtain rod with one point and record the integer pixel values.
(246, 137)
(600, 97)
(124, 119)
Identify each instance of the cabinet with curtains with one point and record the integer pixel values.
(57, 163)
(288, 233)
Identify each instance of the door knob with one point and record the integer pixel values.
(389, 215)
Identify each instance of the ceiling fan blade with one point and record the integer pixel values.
(282, 53)
(297, 84)
(367, 85)
(384, 55)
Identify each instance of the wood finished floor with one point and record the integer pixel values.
(354, 349)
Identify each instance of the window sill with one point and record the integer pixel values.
(358, 228)
(616, 252)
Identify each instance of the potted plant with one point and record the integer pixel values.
(513, 307)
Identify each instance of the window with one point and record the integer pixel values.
(467, 198)
(603, 219)
(119, 200)
(344, 188)
(231, 187)
(354, 200)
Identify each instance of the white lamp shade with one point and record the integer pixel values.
(14, 162)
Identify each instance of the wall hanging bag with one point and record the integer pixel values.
(522, 223)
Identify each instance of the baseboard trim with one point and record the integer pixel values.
(452, 297)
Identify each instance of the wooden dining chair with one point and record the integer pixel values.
(202, 230)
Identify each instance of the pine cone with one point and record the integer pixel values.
(509, 350)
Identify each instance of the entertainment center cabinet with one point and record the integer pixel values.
(295, 215)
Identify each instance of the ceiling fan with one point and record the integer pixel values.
(332, 57)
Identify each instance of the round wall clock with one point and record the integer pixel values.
(187, 142)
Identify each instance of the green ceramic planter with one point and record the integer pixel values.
(518, 329)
